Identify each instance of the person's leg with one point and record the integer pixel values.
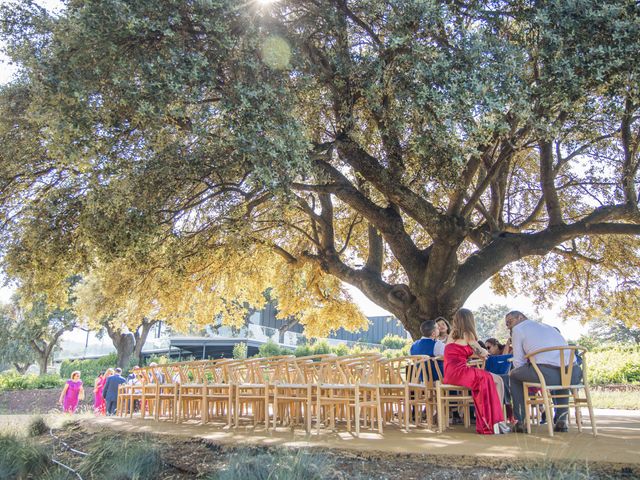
(517, 377)
(507, 388)
(499, 387)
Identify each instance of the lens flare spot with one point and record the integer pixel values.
(276, 52)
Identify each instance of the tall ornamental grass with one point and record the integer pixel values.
(276, 465)
(116, 457)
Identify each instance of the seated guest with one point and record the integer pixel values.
(428, 345)
(495, 347)
(528, 336)
(443, 329)
(486, 388)
(132, 377)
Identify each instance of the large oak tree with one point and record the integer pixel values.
(414, 149)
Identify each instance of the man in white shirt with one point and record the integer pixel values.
(528, 336)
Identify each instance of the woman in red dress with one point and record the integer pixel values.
(487, 389)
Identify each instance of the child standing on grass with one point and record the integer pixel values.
(72, 393)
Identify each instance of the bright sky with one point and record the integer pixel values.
(482, 296)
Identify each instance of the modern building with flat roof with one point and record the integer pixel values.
(219, 340)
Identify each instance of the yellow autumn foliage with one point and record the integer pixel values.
(221, 284)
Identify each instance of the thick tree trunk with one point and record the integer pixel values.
(412, 310)
(284, 328)
(124, 349)
(43, 361)
(21, 369)
(42, 353)
(124, 344)
(140, 338)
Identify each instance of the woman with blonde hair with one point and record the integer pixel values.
(99, 405)
(487, 389)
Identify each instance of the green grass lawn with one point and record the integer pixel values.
(623, 400)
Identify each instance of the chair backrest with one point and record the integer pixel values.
(360, 369)
(416, 369)
(498, 364)
(568, 357)
(476, 362)
(219, 372)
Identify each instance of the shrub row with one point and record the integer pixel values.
(15, 381)
(272, 349)
(614, 364)
(89, 369)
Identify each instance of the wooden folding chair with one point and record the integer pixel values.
(407, 387)
(449, 397)
(191, 391)
(218, 393)
(167, 386)
(148, 390)
(347, 385)
(292, 392)
(550, 392)
(251, 390)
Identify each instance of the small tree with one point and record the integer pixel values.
(394, 342)
(240, 351)
(44, 327)
(14, 347)
(490, 321)
(614, 330)
(270, 349)
(128, 325)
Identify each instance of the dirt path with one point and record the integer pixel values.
(191, 450)
(614, 450)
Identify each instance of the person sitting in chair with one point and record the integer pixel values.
(527, 337)
(428, 344)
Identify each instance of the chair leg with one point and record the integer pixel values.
(357, 410)
(379, 408)
(527, 408)
(275, 407)
(547, 407)
(237, 409)
(318, 409)
(467, 413)
(440, 409)
(308, 412)
(592, 417)
(204, 410)
(576, 402)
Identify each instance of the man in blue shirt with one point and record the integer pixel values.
(428, 345)
(110, 391)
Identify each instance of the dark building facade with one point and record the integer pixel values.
(379, 327)
(214, 346)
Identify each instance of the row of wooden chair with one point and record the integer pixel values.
(287, 390)
(363, 389)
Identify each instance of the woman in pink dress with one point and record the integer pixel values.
(72, 393)
(486, 388)
(99, 406)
